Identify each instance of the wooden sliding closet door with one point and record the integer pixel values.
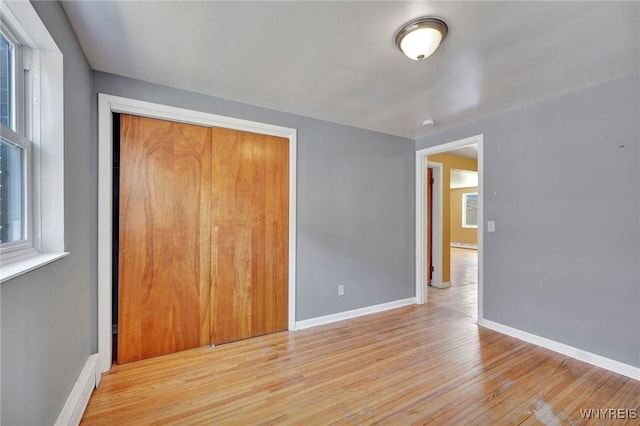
(165, 247)
(250, 235)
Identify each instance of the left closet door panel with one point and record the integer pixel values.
(164, 239)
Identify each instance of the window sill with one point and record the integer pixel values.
(20, 267)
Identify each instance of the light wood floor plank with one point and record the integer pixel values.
(412, 365)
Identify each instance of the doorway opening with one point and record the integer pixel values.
(438, 264)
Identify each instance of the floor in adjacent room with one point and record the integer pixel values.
(428, 364)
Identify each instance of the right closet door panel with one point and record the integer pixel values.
(250, 234)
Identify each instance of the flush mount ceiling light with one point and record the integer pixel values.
(419, 38)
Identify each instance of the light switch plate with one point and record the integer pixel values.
(491, 226)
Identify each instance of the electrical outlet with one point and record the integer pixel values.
(341, 290)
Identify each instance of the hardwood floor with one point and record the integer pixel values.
(464, 272)
(464, 266)
(425, 364)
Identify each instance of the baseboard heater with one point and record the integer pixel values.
(465, 245)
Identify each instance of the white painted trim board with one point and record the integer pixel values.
(441, 285)
(354, 313)
(570, 351)
(420, 229)
(421, 224)
(469, 246)
(29, 264)
(107, 105)
(77, 401)
(436, 218)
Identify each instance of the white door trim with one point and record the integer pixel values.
(421, 173)
(107, 105)
(436, 218)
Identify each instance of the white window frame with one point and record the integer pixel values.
(38, 128)
(16, 76)
(464, 210)
(18, 134)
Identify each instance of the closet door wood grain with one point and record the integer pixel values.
(250, 234)
(164, 237)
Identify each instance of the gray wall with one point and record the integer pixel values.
(355, 227)
(355, 201)
(562, 182)
(49, 315)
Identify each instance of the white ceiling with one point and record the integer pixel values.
(337, 61)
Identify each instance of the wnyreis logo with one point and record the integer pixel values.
(609, 413)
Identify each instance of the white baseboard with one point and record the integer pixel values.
(445, 284)
(76, 403)
(340, 316)
(579, 354)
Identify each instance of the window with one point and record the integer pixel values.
(31, 142)
(13, 193)
(470, 210)
(15, 151)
